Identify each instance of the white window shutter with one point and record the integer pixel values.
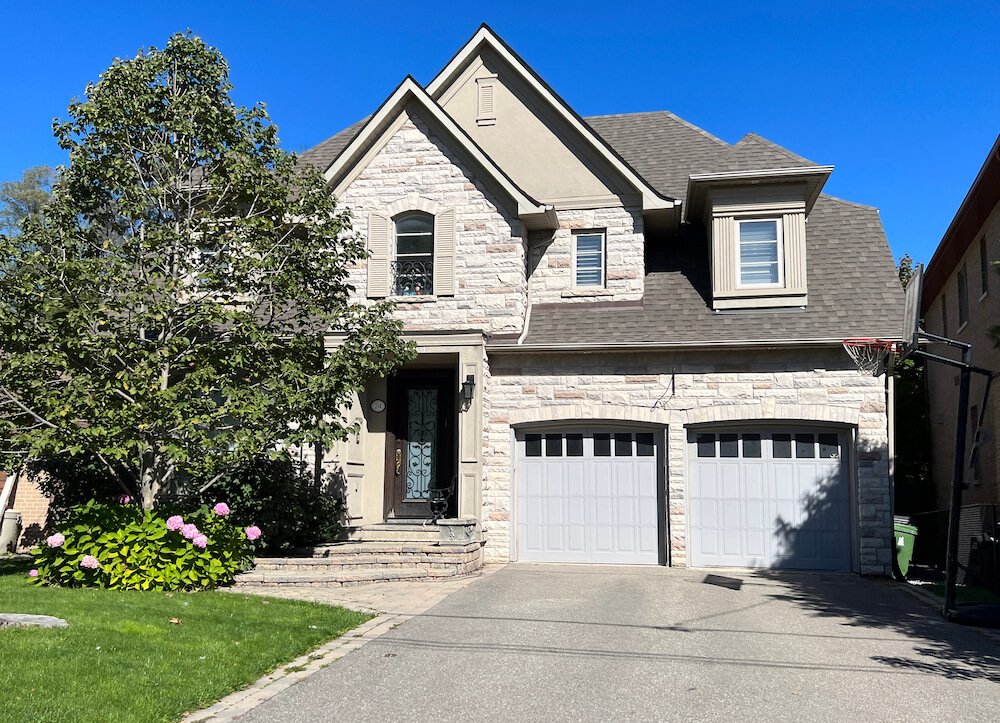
(444, 253)
(380, 250)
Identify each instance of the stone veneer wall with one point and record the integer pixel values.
(552, 275)
(489, 259)
(674, 390)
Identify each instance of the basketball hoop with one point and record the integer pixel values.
(869, 354)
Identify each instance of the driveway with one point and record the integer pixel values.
(567, 642)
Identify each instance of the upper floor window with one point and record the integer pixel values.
(413, 262)
(759, 252)
(963, 296)
(984, 267)
(944, 313)
(588, 258)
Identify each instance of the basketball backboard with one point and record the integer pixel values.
(911, 313)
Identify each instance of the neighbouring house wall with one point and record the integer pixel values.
(674, 390)
(34, 509)
(551, 260)
(490, 267)
(942, 381)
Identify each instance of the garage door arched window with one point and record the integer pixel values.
(413, 260)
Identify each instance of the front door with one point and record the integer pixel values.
(420, 441)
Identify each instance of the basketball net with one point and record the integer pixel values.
(869, 354)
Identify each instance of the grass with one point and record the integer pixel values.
(964, 593)
(121, 659)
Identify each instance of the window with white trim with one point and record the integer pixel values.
(759, 252)
(413, 264)
(588, 259)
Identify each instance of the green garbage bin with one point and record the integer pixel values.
(905, 536)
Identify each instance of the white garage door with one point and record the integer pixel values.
(777, 499)
(588, 496)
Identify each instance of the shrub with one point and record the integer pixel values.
(283, 498)
(125, 548)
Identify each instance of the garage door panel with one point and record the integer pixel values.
(598, 507)
(784, 501)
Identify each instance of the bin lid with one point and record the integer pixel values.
(910, 529)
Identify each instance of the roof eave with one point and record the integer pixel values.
(527, 207)
(815, 178)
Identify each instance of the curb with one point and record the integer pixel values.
(238, 703)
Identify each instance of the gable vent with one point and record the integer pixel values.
(486, 115)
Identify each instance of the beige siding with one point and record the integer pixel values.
(726, 207)
(942, 381)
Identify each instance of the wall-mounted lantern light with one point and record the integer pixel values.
(468, 388)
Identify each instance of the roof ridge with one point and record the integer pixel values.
(844, 201)
(758, 138)
(670, 114)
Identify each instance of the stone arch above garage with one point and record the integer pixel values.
(584, 412)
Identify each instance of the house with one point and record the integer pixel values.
(961, 301)
(629, 332)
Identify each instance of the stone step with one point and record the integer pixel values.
(392, 532)
(337, 549)
(363, 561)
(342, 578)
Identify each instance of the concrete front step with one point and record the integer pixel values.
(342, 578)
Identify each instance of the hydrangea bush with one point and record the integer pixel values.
(125, 548)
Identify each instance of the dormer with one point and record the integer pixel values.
(755, 223)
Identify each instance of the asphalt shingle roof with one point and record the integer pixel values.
(852, 284)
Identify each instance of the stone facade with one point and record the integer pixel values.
(491, 290)
(942, 381)
(552, 259)
(495, 262)
(676, 390)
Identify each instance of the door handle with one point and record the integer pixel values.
(399, 459)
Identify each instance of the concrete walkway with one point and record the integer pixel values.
(548, 642)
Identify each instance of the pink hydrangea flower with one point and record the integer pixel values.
(253, 532)
(175, 523)
(124, 499)
(33, 573)
(189, 531)
(55, 540)
(90, 562)
(200, 541)
(221, 509)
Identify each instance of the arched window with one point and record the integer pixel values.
(413, 262)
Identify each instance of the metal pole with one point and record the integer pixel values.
(955, 514)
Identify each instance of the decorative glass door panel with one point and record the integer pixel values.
(422, 442)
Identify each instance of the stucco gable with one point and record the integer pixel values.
(533, 134)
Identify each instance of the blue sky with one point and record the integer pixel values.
(901, 97)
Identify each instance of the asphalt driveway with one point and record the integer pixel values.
(566, 642)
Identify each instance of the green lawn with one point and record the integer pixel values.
(121, 659)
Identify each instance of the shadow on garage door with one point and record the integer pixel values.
(770, 498)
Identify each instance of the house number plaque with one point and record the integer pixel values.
(378, 406)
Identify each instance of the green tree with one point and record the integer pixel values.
(24, 199)
(168, 313)
(914, 487)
